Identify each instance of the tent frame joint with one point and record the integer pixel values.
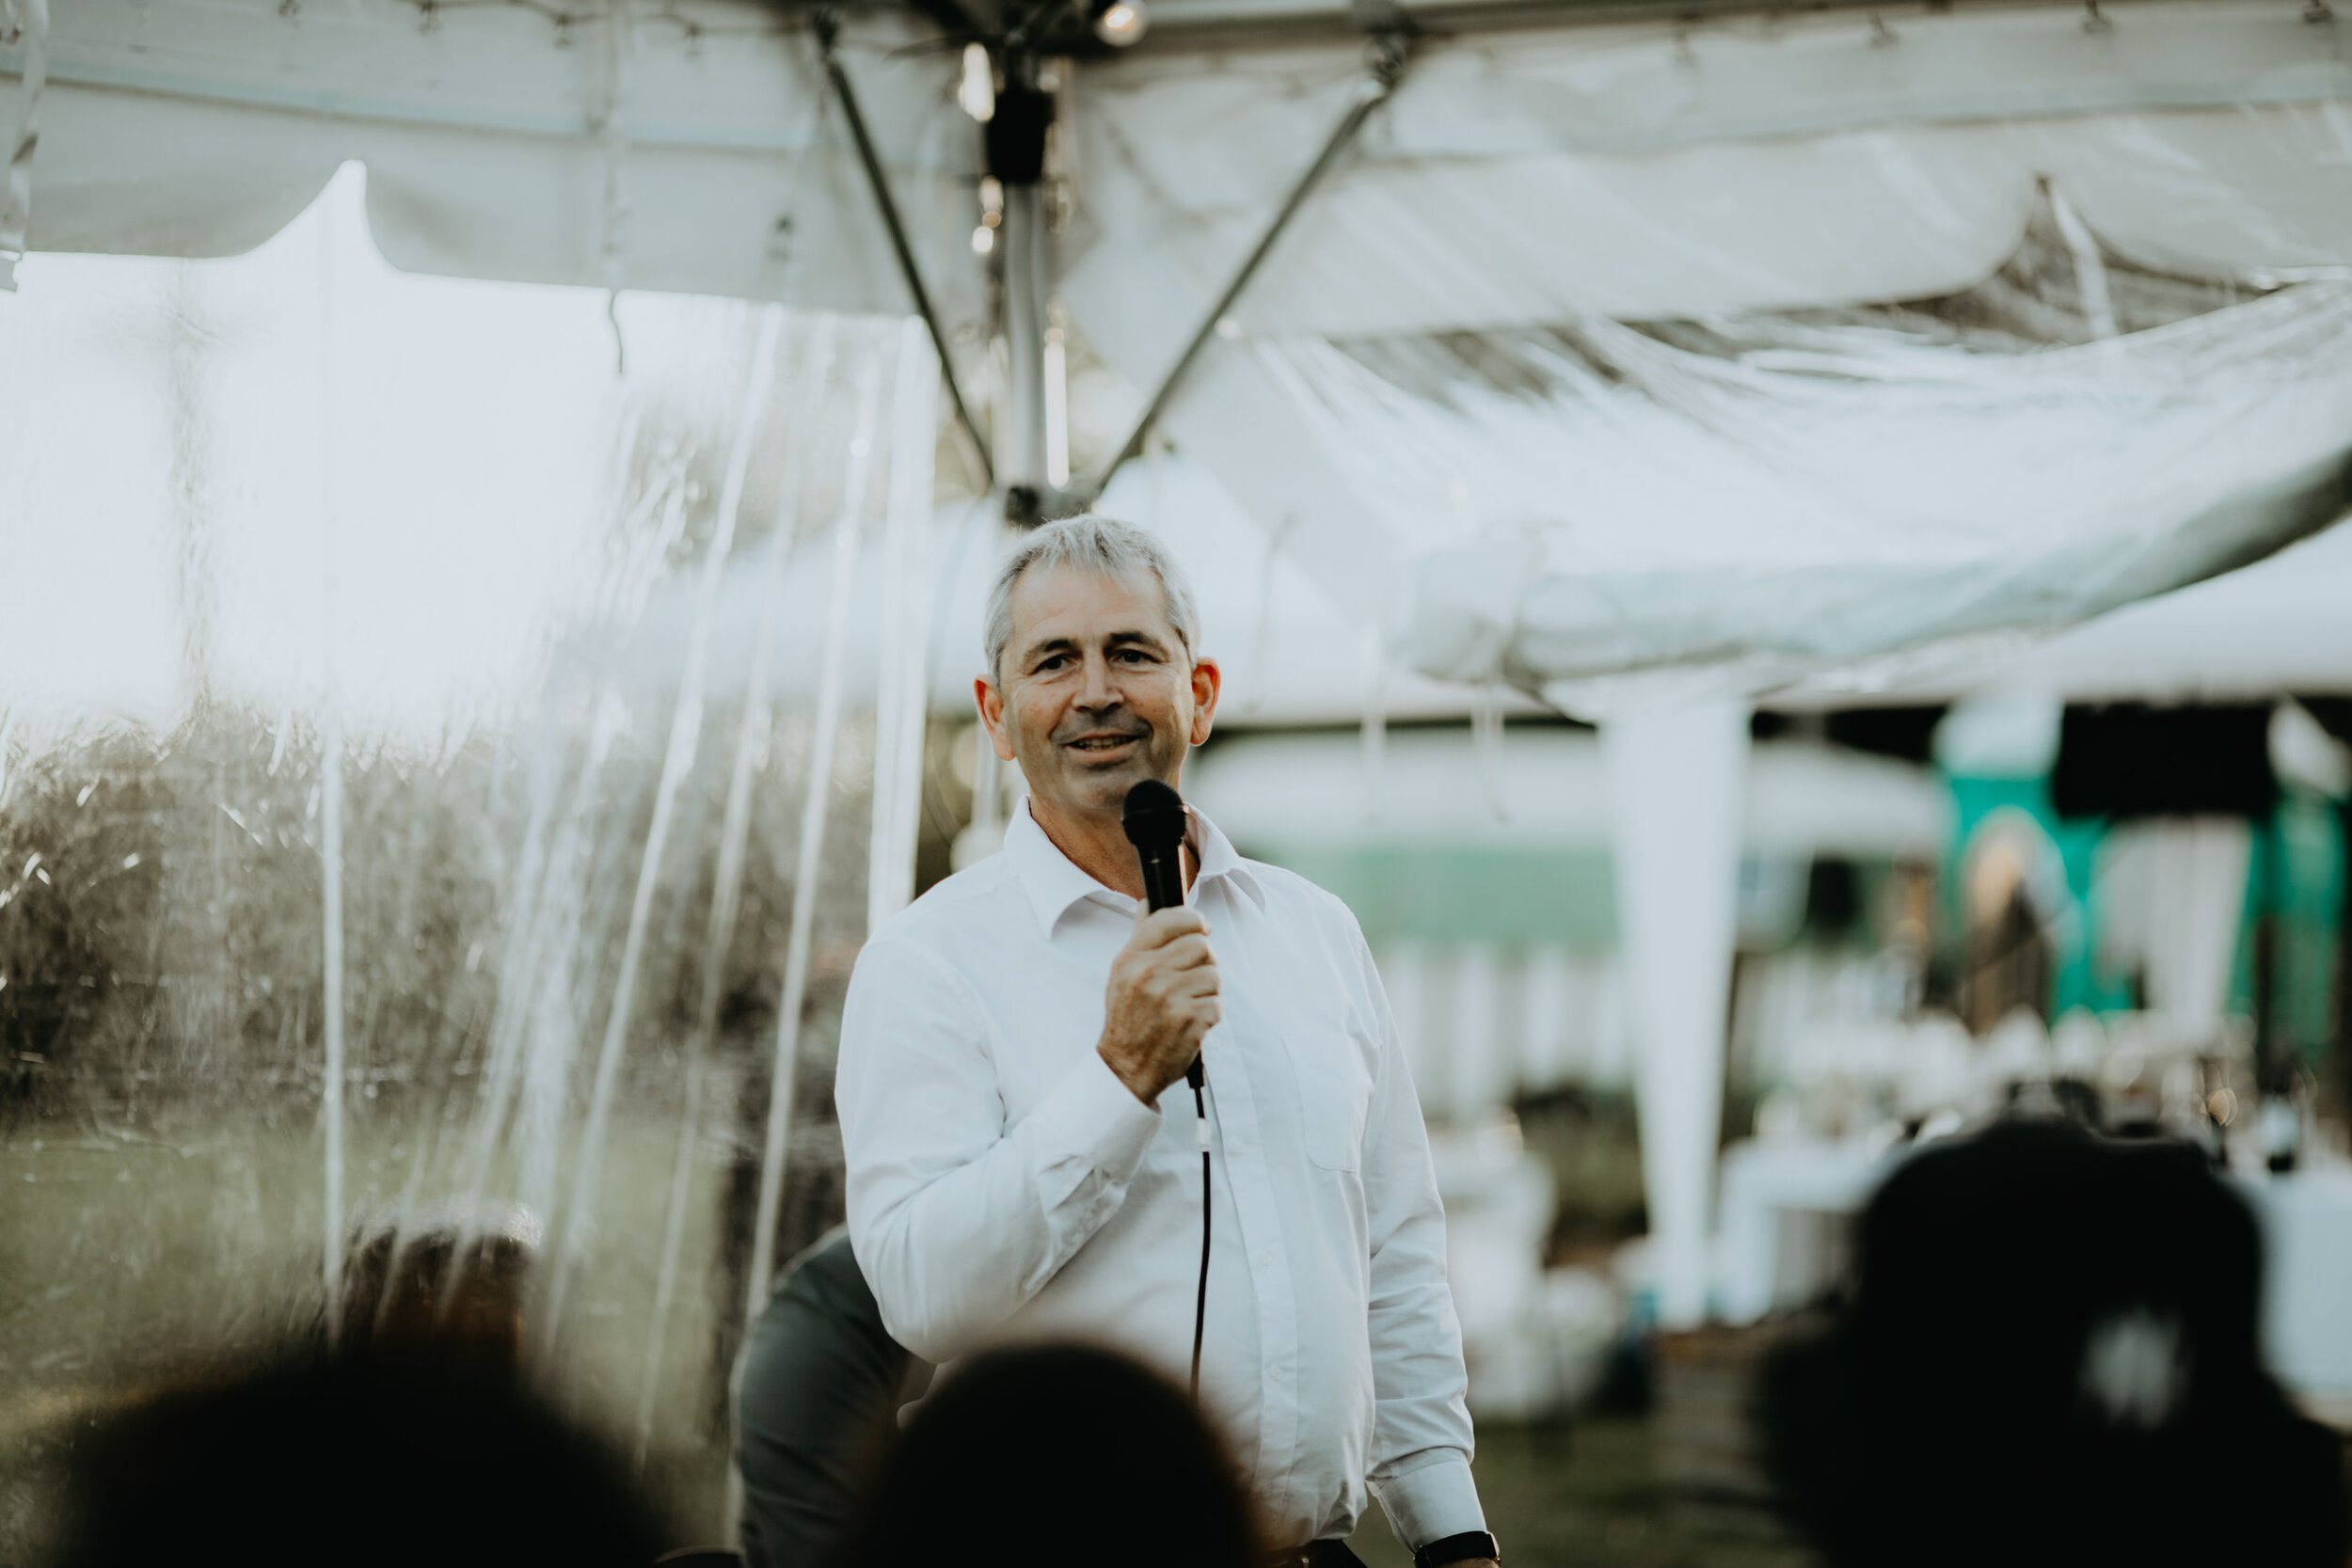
(1388, 50)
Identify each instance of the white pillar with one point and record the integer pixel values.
(1546, 1033)
(1676, 780)
(2196, 901)
(1609, 1055)
(1479, 1087)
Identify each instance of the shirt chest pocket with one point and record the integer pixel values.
(1334, 1092)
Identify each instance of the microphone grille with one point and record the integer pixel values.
(1153, 814)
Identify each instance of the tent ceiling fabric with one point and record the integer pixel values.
(1795, 505)
(1521, 192)
(1780, 498)
(1752, 166)
(1636, 172)
(202, 127)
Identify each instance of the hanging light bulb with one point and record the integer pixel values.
(976, 94)
(991, 214)
(1119, 23)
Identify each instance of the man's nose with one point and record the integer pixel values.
(1097, 691)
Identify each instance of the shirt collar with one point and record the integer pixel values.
(1054, 882)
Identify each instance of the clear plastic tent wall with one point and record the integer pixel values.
(353, 900)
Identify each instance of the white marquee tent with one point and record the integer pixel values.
(1646, 364)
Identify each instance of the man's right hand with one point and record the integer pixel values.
(1161, 999)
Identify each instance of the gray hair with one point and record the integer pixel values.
(1105, 546)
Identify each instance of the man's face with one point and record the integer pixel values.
(1096, 691)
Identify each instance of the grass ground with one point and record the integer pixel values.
(135, 1249)
(1584, 1495)
(129, 1249)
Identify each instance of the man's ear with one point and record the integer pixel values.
(1207, 681)
(991, 706)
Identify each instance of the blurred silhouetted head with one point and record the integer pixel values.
(1053, 1454)
(2051, 1357)
(444, 1290)
(365, 1463)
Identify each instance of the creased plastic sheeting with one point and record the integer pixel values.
(1780, 523)
(1758, 500)
(1814, 504)
(1429, 388)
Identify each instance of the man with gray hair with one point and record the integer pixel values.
(1004, 1052)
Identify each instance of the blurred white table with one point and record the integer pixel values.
(1785, 1206)
(2307, 1286)
(1781, 1227)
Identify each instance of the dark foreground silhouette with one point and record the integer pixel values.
(1055, 1454)
(365, 1462)
(2051, 1357)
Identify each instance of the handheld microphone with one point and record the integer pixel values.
(1153, 817)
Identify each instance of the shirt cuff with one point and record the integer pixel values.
(1092, 1122)
(1430, 1498)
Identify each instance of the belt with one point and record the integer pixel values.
(1316, 1554)
(1334, 1554)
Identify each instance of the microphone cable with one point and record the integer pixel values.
(1199, 1079)
(1155, 823)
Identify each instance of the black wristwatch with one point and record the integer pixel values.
(1455, 1548)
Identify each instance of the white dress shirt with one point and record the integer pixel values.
(1004, 1185)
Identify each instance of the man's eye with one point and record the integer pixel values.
(1134, 655)
(1053, 661)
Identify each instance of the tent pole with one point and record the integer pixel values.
(1017, 139)
(1386, 55)
(828, 26)
(1026, 243)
